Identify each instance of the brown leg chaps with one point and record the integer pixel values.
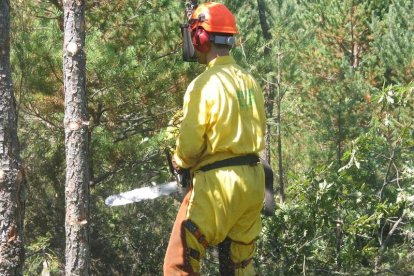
(175, 262)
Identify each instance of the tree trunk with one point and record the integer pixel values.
(12, 181)
(269, 93)
(76, 140)
(270, 99)
(279, 124)
(339, 222)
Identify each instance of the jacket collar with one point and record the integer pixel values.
(221, 61)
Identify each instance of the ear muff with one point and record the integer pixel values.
(201, 40)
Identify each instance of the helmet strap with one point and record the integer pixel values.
(223, 40)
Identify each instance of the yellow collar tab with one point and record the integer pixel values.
(223, 60)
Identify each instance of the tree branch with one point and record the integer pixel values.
(393, 229)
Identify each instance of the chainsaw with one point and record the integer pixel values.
(181, 183)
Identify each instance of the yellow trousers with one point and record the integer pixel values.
(225, 204)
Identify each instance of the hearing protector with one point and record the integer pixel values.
(201, 40)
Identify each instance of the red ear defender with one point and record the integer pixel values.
(201, 40)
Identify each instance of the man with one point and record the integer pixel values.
(221, 133)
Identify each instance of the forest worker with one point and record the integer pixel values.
(221, 134)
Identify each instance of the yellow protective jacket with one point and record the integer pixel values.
(223, 116)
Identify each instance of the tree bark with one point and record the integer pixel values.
(76, 140)
(279, 123)
(269, 91)
(270, 99)
(339, 222)
(12, 180)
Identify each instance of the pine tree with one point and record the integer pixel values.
(76, 141)
(393, 44)
(12, 185)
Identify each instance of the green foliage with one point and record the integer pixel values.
(393, 44)
(377, 194)
(40, 258)
(342, 173)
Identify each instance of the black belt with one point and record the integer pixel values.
(250, 159)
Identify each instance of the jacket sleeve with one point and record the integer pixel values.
(191, 141)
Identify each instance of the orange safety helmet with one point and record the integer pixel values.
(208, 22)
(214, 18)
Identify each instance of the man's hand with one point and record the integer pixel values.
(177, 168)
(172, 164)
(182, 175)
